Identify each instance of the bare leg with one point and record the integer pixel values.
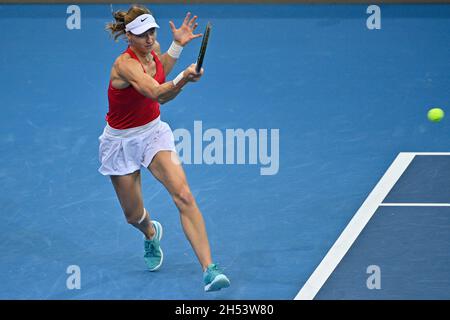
(172, 176)
(129, 192)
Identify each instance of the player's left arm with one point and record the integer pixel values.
(181, 37)
(167, 61)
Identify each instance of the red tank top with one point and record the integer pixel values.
(127, 107)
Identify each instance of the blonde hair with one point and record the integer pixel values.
(122, 18)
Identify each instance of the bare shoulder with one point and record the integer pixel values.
(125, 66)
(124, 70)
(124, 61)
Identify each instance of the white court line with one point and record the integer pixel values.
(415, 205)
(430, 153)
(355, 226)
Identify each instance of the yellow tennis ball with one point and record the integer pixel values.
(435, 114)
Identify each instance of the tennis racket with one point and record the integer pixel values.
(201, 55)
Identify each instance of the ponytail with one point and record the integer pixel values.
(117, 28)
(121, 18)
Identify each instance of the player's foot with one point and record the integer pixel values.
(153, 255)
(214, 278)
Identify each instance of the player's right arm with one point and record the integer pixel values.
(130, 71)
(193, 76)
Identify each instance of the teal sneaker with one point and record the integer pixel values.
(214, 278)
(153, 254)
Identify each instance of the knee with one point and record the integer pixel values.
(183, 197)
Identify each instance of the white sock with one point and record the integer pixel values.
(144, 215)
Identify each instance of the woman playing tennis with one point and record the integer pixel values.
(135, 137)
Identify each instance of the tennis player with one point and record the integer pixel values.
(136, 137)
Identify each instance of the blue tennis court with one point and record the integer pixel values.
(401, 252)
(339, 162)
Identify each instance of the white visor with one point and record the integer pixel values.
(141, 24)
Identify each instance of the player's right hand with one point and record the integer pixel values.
(191, 74)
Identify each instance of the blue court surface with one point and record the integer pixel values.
(341, 191)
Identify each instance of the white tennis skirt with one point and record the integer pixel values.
(125, 151)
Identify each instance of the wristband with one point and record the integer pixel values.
(178, 78)
(174, 50)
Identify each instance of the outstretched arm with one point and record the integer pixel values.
(181, 37)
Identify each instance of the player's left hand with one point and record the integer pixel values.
(185, 33)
